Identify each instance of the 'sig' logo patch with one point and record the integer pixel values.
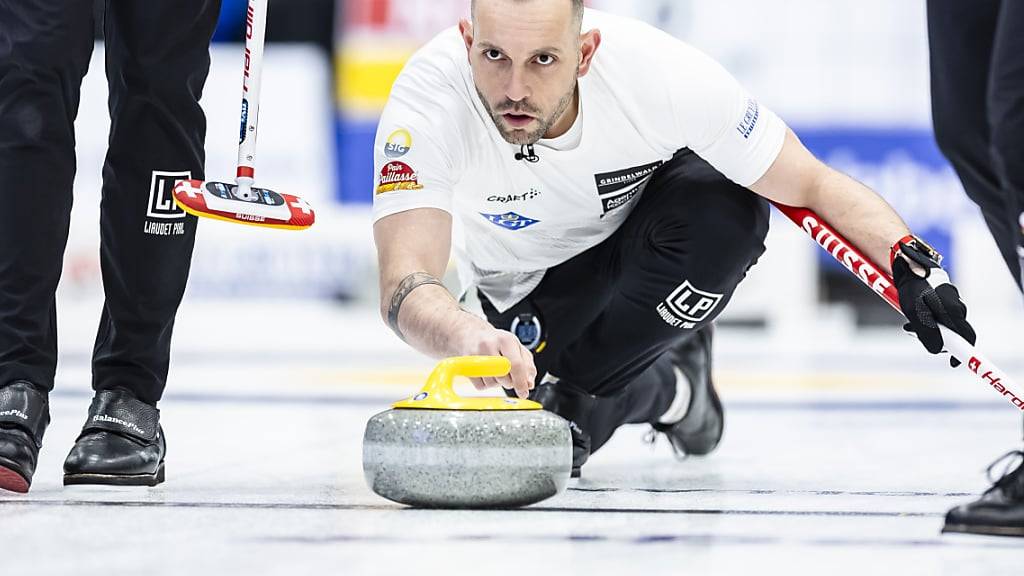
(398, 143)
(688, 305)
(161, 199)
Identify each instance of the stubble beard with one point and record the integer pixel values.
(521, 137)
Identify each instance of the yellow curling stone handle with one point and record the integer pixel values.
(438, 393)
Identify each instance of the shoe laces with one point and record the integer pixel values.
(651, 438)
(1012, 469)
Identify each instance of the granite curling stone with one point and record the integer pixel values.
(441, 450)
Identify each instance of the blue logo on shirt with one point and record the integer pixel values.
(510, 220)
(749, 121)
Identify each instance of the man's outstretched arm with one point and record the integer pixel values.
(797, 178)
(413, 248)
(927, 297)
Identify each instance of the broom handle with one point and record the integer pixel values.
(978, 366)
(255, 31)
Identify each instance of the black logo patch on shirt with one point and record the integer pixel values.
(616, 189)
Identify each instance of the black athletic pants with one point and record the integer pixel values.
(157, 59)
(977, 66)
(608, 315)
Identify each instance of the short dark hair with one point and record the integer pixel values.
(577, 8)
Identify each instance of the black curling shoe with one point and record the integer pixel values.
(121, 443)
(24, 415)
(700, 430)
(575, 406)
(1000, 510)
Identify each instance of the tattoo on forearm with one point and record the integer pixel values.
(405, 287)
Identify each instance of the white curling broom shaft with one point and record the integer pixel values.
(255, 30)
(984, 369)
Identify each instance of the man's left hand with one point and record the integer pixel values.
(927, 297)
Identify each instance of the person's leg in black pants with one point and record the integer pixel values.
(45, 46)
(977, 63)
(962, 40)
(610, 314)
(1006, 117)
(157, 63)
(156, 71)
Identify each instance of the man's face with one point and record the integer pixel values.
(526, 59)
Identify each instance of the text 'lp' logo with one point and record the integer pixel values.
(161, 198)
(692, 304)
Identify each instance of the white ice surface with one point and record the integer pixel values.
(839, 459)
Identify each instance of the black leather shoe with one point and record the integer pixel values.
(121, 443)
(700, 430)
(575, 406)
(999, 511)
(24, 415)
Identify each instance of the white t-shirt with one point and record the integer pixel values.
(646, 96)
